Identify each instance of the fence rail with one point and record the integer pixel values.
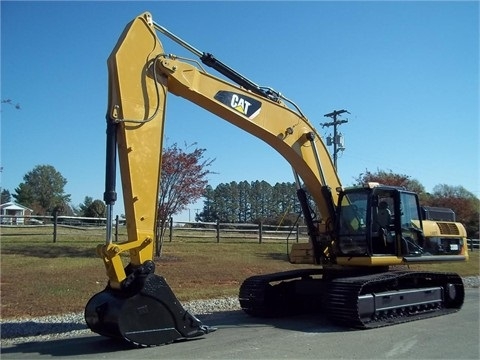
(231, 231)
(473, 244)
(177, 229)
(50, 219)
(55, 222)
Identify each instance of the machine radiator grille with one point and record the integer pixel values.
(447, 228)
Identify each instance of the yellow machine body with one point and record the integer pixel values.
(137, 305)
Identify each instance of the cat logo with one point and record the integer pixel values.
(243, 104)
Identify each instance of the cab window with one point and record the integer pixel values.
(352, 224)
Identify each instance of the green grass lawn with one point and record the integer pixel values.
(39, 277)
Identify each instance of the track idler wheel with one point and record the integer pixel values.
(150, 315)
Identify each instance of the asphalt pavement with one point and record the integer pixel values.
(454, 336)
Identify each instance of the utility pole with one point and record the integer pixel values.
(337, 141)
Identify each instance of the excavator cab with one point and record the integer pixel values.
(382, 226)
(379, 221)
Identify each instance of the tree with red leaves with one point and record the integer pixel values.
(183, 181)
(390, 178)
(464, 203)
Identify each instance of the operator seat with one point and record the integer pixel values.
(384, 216)
(383, 219)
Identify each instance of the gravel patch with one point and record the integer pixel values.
(471, 281)
(20, 330)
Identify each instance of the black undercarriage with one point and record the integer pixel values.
(361, 301)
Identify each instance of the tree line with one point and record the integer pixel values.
(250, 202)
(258, 201)
(183, 182)
(43, 191)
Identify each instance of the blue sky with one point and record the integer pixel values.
(408, 72)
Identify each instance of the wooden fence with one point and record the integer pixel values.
(473, 244)
(234, 231)
(180, 229)
(57, 223)
(177, 229)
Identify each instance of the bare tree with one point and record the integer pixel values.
(10, 102)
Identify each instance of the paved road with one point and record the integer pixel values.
(453, 336)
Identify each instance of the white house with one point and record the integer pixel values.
(12, 209)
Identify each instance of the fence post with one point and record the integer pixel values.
(217, 226)
(260, 231)
(55, 221)
(170, 236)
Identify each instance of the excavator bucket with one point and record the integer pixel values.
(150, 315)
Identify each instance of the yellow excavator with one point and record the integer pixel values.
(359, 236)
